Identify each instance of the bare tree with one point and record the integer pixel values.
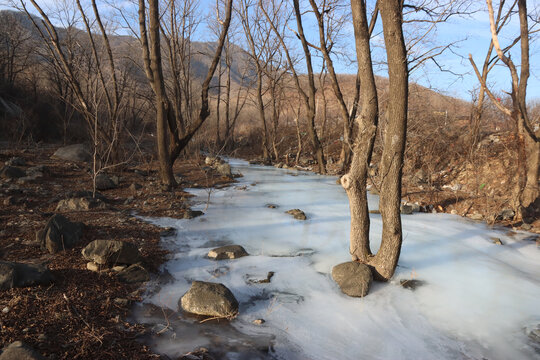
(526, 184)
(308, 98)
(169, 148)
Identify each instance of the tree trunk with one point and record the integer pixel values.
(385, 261)
(165, 165)
(355, 181)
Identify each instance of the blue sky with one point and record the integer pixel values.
(472, 32)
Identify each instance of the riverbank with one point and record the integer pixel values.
(82, 314)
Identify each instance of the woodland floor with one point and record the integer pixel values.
(77, 316)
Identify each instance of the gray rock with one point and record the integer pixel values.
(20, 351)
(227, 252)
(354, 279)
(297, 213)
(224, 170)
(11, 172)
(104, 182)
(23, 275)
(134, 187)
(111, 252)
(272, 206)
(406, 209)
(506, 214)
(259, 321)
(190, 214)
(133, 274)
(534, 334)
(59, 234)
(209, 299)
(76, 152)
(80, 204)
(16, 161)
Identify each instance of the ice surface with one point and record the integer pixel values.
(476, 302)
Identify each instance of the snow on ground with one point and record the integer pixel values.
(477, 299)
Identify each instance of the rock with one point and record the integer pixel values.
(209, 160)
(134, 187)
(411, 284)
(133, 274)
(353, 278)
(23, 275)
(526, 226)
(259, 321)
(76, 152)
(227, 252)
(121, 301)
(38, 170)
(224, 170)
(16, 161)
(80, 204)
(59, 234)
(454, 212)
(406, 209)
(506, 214)
(269, 277)
(86, 194)
(104, 182)
(297, 213)
(11, 172)
(92, 266)
(476, 216)
(190, 214)
(272, 206)
(534, 334)
(278, 165)
(111, 252)
(20, 351)
(496, 240)
(209, 299)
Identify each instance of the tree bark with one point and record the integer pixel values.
(386, 259)
(355, 181)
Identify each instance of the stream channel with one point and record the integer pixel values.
(476, 299)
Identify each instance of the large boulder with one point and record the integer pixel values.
(80, 204)
(111, 252)
(209, 299)
(11, 172)
(20, 351)
(227, 252)
(59, 234)
(76, 152)
(354, 279)
(23, 275)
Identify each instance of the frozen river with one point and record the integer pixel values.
(478, 299)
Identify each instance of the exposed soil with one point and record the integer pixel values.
(82, 314)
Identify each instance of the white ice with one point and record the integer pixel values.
(476, 302)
